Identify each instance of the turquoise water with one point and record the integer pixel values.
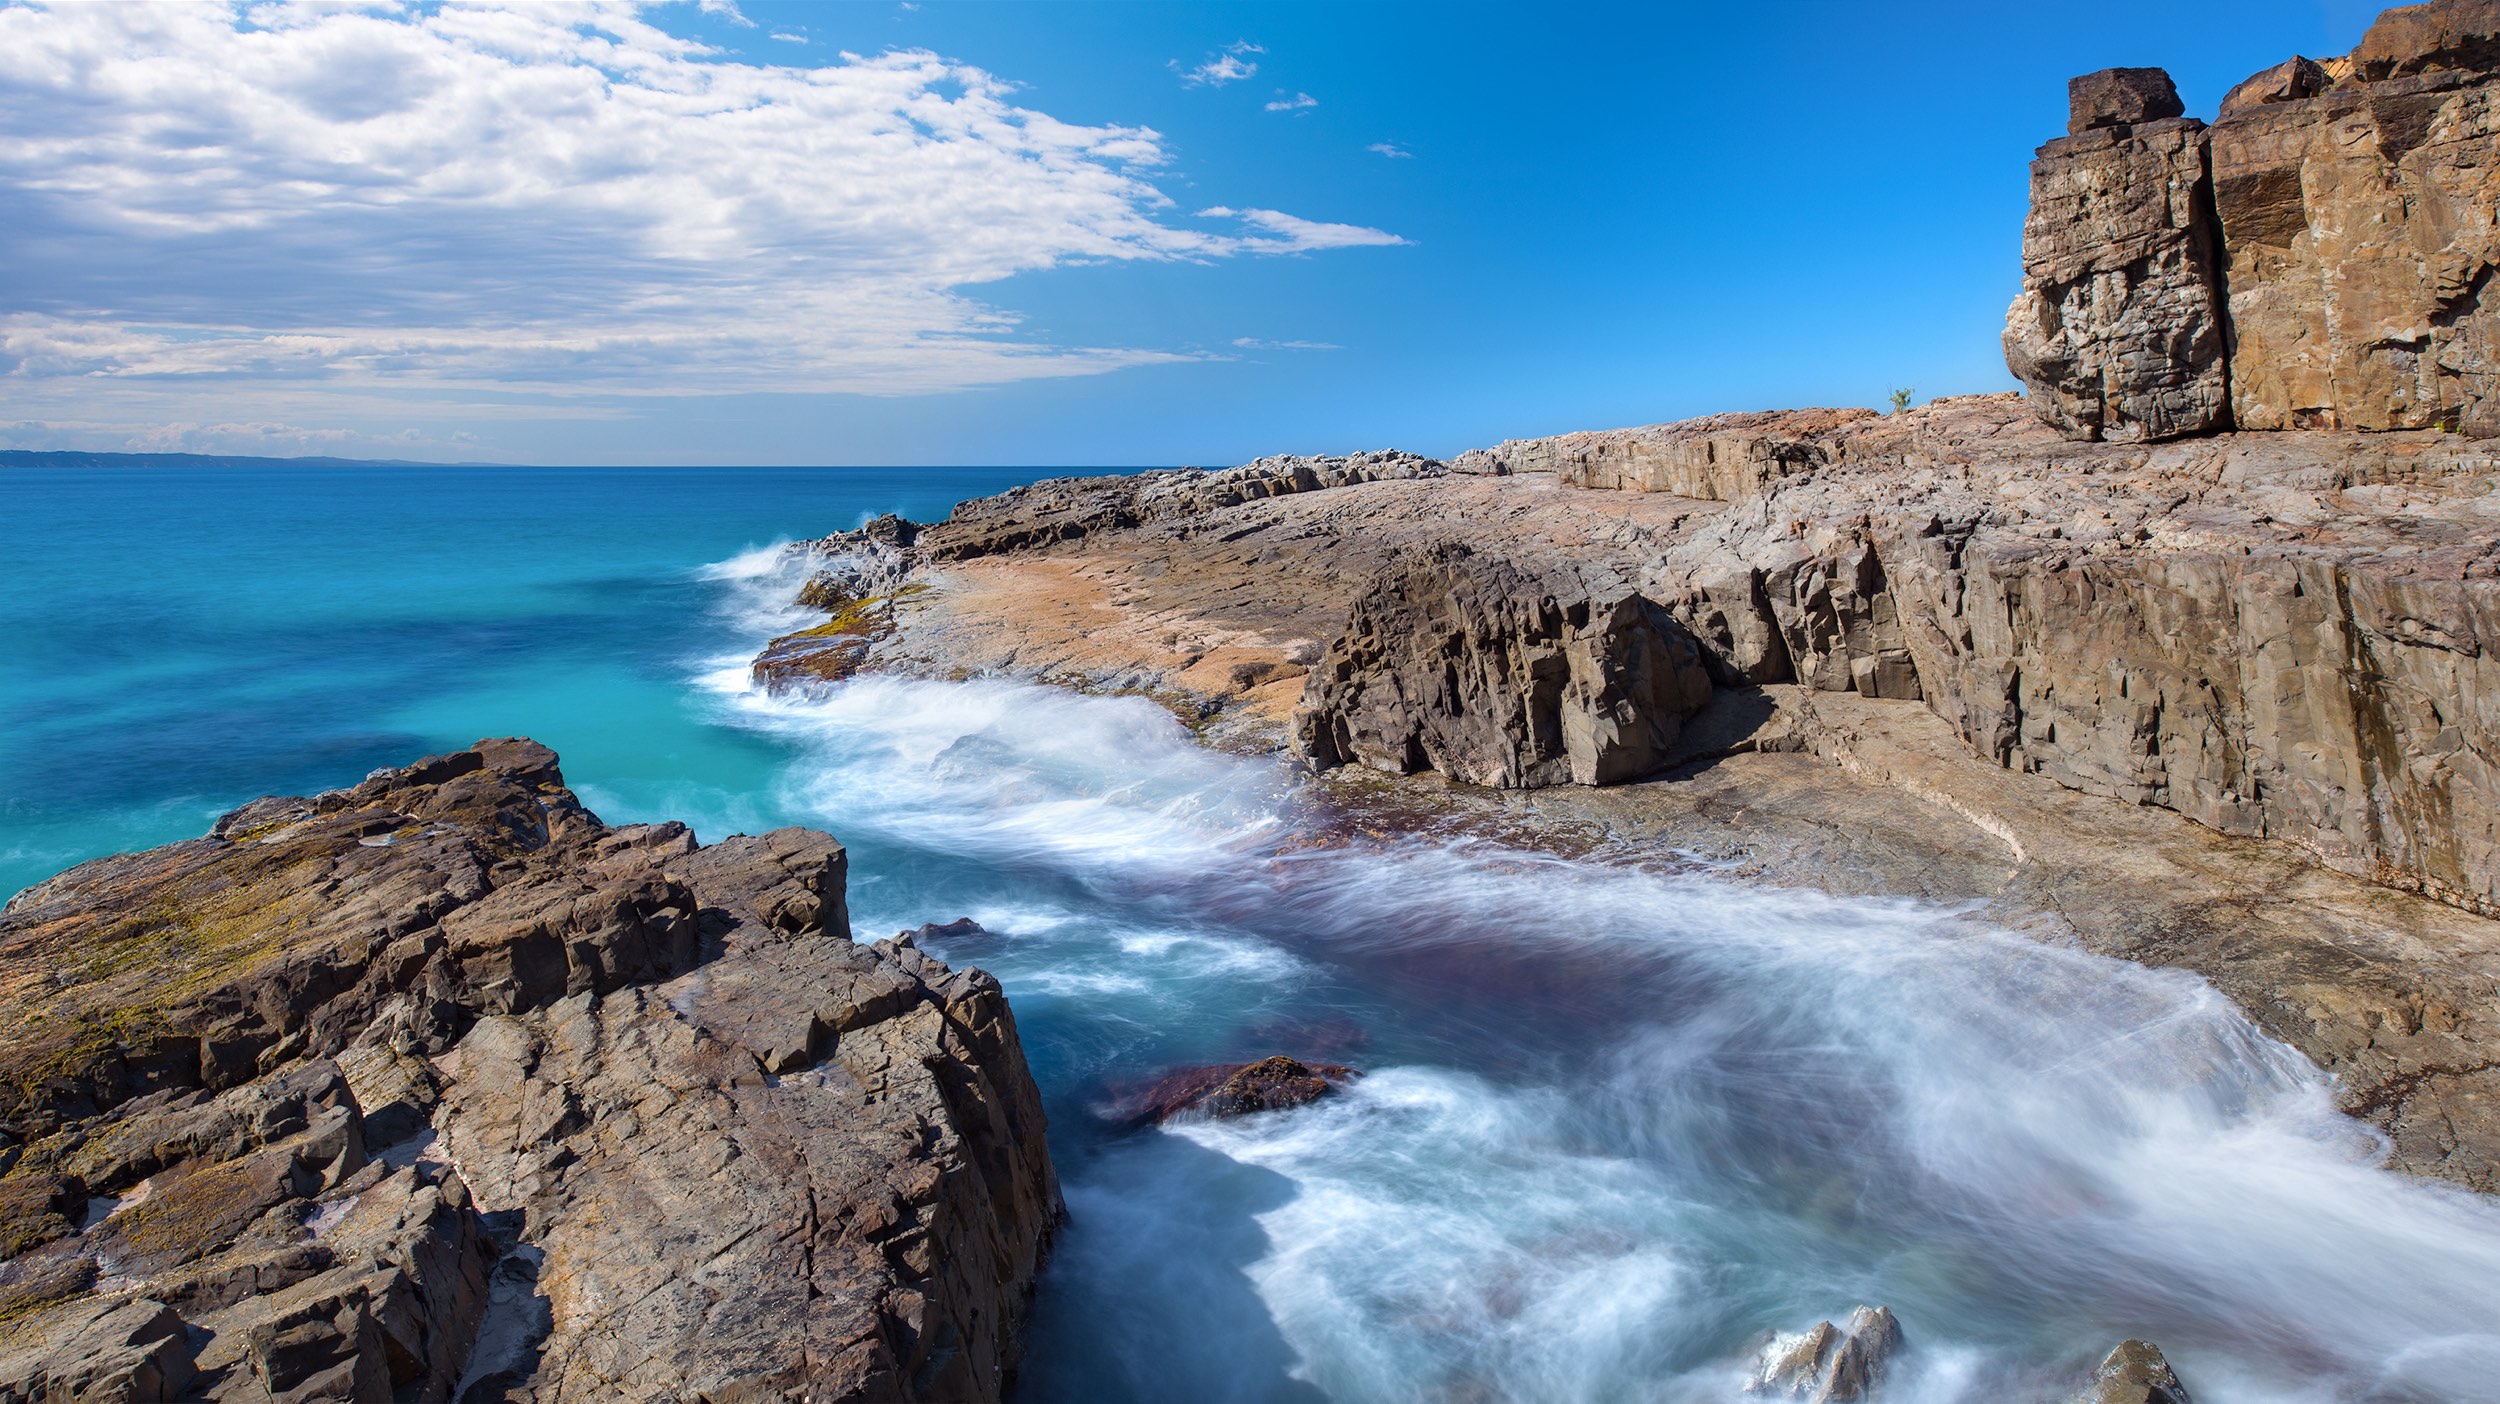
(179, 641)
(1616, 1125)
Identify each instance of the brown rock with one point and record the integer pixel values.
(2419, 38)
(2120, 97)
(2118, 332)
(2134, 1373)
(2289, 81)
(1467, 664)
(1826, 1364)
(1277, 1083)
(803, 1165)
(2360, 242)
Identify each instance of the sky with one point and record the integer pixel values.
(716, 233)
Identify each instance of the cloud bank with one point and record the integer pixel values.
(553, 200)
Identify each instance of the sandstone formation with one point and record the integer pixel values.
(2336, 229)
(1464, 663)
(440, 1079)
(1827, 1364)
(2118, 331)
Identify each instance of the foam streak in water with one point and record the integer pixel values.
(1618, 1123)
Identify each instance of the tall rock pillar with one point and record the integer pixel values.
(2118, 331)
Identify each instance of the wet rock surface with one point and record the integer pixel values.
(1827, 1364)
(1275, 1083)
(440, 1079)
(2134, 1373)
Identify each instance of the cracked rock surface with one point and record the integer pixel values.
(438, 1087)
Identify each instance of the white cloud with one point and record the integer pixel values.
(1295, 103)
(1392, 150)
(1252, 343)
(538, 200)
(728, 10)
(789, 38)
(1229, 66)
(1289, 234)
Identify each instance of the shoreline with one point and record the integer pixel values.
(1220, 612)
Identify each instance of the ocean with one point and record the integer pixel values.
(1616, 1126)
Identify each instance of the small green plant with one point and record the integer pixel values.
(1901, 398)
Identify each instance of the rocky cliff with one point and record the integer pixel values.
(438, 1088)
(2102, 589)
(2321, 256)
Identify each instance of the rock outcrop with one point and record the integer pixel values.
(2134, 1373)
(2118, 331)
(1463, 662)
(1827, 1364)
(2336, 229)
(1277, 1083)
(440, 1078)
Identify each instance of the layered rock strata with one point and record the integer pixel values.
(1464, 663)
(2118, 331)
(2335, 231)
(439, 1084)
(1969, 615)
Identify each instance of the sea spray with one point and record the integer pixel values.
(1619, 1123)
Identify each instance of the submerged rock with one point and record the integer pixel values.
(706, 1146)
(1827, 1364)
(1236, 1089)
(2134, 1373)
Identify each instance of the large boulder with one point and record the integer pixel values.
(2118, 330)
(1499, 674)
(706, 1146)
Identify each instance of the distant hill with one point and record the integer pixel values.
(71, 458)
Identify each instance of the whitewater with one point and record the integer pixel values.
(1617, 1124)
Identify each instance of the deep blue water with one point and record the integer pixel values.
(1616, 1125)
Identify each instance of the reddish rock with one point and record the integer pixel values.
(1235, 1089)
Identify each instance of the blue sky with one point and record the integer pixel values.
(1023, 233)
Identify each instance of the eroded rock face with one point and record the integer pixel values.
(705, 1145)
(2321, 258)
(2359, 221)
(1466, 663)
(2279, 637)
(2118, 332)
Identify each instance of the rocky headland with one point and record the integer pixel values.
(439, 1088)
(2184, 655)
